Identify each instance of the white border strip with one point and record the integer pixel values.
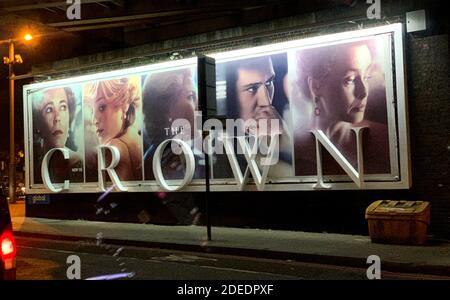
(166, 66)
(312, 41)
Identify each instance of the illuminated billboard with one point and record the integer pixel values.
(327, 112)
(130, 111)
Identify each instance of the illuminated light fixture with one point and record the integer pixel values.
(28, 37)
(316, 41)
(168, 65)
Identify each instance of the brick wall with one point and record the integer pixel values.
(429, 109)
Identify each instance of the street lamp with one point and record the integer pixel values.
(10, 60)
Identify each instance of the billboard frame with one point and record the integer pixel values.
(399, 134)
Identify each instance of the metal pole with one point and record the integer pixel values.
(202, 66)
(12, 152)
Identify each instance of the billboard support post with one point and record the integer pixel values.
(206, 91)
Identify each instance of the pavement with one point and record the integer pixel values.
(326, 248)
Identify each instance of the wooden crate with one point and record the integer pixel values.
(398, 222)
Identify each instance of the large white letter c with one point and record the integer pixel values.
(44, 170)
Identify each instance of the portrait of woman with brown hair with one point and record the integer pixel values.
(54, 114)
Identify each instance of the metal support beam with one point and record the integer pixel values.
(49, 5)
(126, 18)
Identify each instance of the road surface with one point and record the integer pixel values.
(48, 259)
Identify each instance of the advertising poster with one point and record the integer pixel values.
(112, 116)
(286, 117)
(134, 113)
(256, 89)
(335, 88)
(170, 106)
(57, 123)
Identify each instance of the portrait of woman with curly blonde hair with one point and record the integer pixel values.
(113, 118)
